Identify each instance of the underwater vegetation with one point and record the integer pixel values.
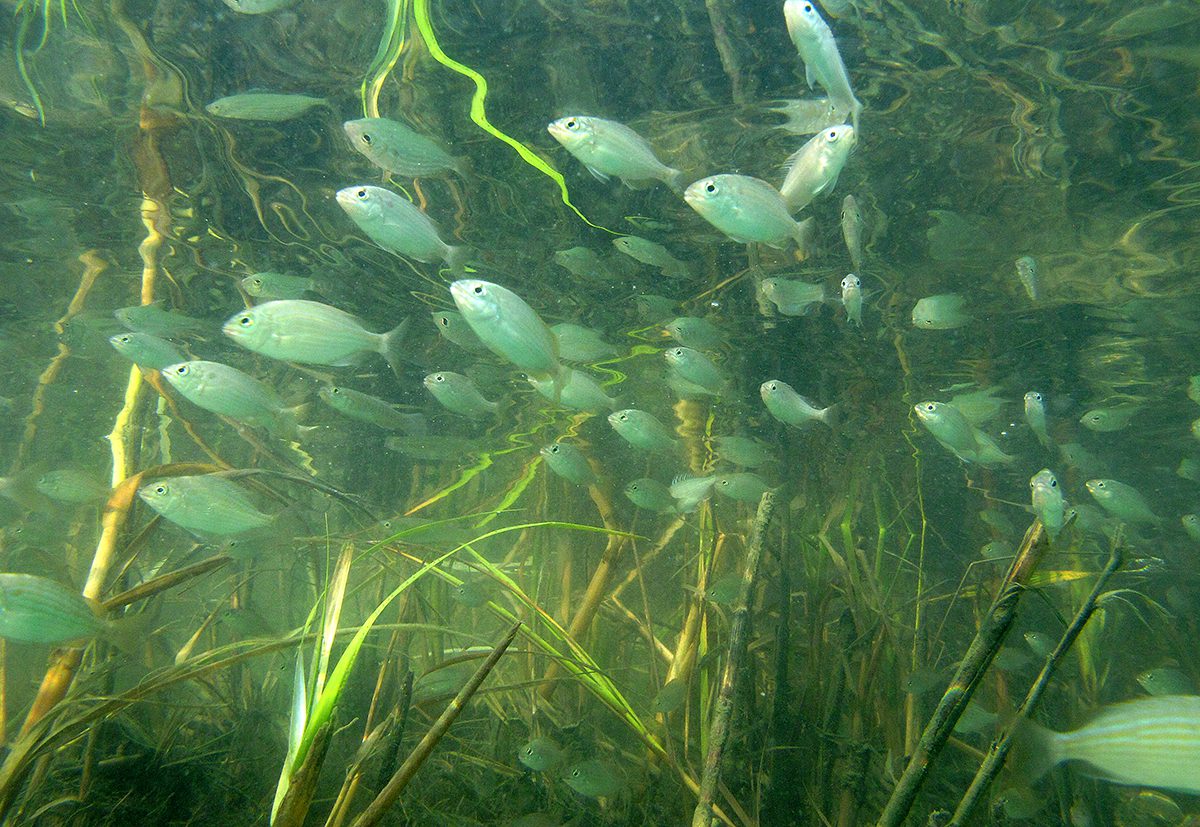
(615, 412)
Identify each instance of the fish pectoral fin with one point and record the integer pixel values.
(809, 78)
(603, 178)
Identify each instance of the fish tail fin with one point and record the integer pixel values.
(130, 632)
(674, 179)
(393, 344)
(1035, 749)
(804, 234)
(831, 416)
(456, 260)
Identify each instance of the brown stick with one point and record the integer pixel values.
(719, 731)
(983, 648)
(391, 791)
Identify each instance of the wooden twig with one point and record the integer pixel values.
(739, 627)
(994, 762)
(391, 791)
(983, 648)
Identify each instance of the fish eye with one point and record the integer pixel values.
(257, 282)
(1100, 484)
(575, 773)
(929, 407)
(246, 320)
(710, 188)
(444, 321)
(553, 449)
(437, 377)
(160, 489)
(124, 339)
(478, 290)
(362, 193)
(335, 390)
(833, 135)
(808, 8)
(183, 370)
(572, 124)
(772, 387)
(623, 417)
(367, 139)
(1053, 482)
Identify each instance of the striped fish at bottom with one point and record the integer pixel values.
(1146, 742)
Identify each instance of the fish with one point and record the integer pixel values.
(996, 549)
(227, 391)
(372, 410)
(852, 231)
(743, 450)
(654, 307)
(807, 115)
(1166, 680)
(974, 720)
(747, 210)
(1079, 458)
(654, 254)
(670, 697)
(643, 431)
(146, 350)
(978, 406)
(263, 106)
(1191, 525)
(1107, 420)
(1035, 416)
(152, 319)
(957, 435)
(651, 495)
(1048, 502)
(507, 326)
(36, 609)
(852, 299)
(1122, 501)
(1040, 643)
(945, 311)
(399, 226)
(583, 262)
(257, 6)
(458, 394)
(431, 447)
(689, 491)
(204, 504)
(454, 328)
(395, 147)
(694, 367)
(474, 591)
(268, 285)
(298, 330)
(541, 754)
(594, 778)
(818, 49)
(791, 408)
(574, 389)
(568, 462)
(744, 486)
(1027, 274)
(1153, 741)
(814, 168)
(696, 333)
(610, 149)
(792, 297)
(581, 344)
(72, 486)
(1188, 469)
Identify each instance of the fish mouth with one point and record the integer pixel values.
(693, 194)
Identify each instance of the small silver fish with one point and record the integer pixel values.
(944, 311)
(395, 147)
(35, 609)
(643, 431)
(791, 296)
(791, 408)
(1035, 415)
(852, 299)
(263, 106)
(1146, 742)
(806, 116)
(507, 326)
(1122, 501)
(694, 367)
(398, 225)
(227, 391)
(689, 491)
(1027, 274)
(458, 394)
(574, 389)
(269, 285)
(1191, 525)
(747, 210)
(956, 434)
(822, 61)
(1048, 502)
(297, 330)
(577, 343)
(568, 462)
(583, 262)
(257, 6)
(651, 495)
(743, 450)
(654, 254)
(697, 333)
(852, 231)
(1107, 420)
(454, 328)
(152, 319)
(1193, 389)
(71, 486)
(206, 504)
(608, 148)
(814, 168)
(371, 409)
(145, 350)
(541, 754)
(743, 487)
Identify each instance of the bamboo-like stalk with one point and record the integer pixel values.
(702, 816)
(391, 791)
(994, 762)
(983, 648)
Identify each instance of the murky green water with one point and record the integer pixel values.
(991, 130)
